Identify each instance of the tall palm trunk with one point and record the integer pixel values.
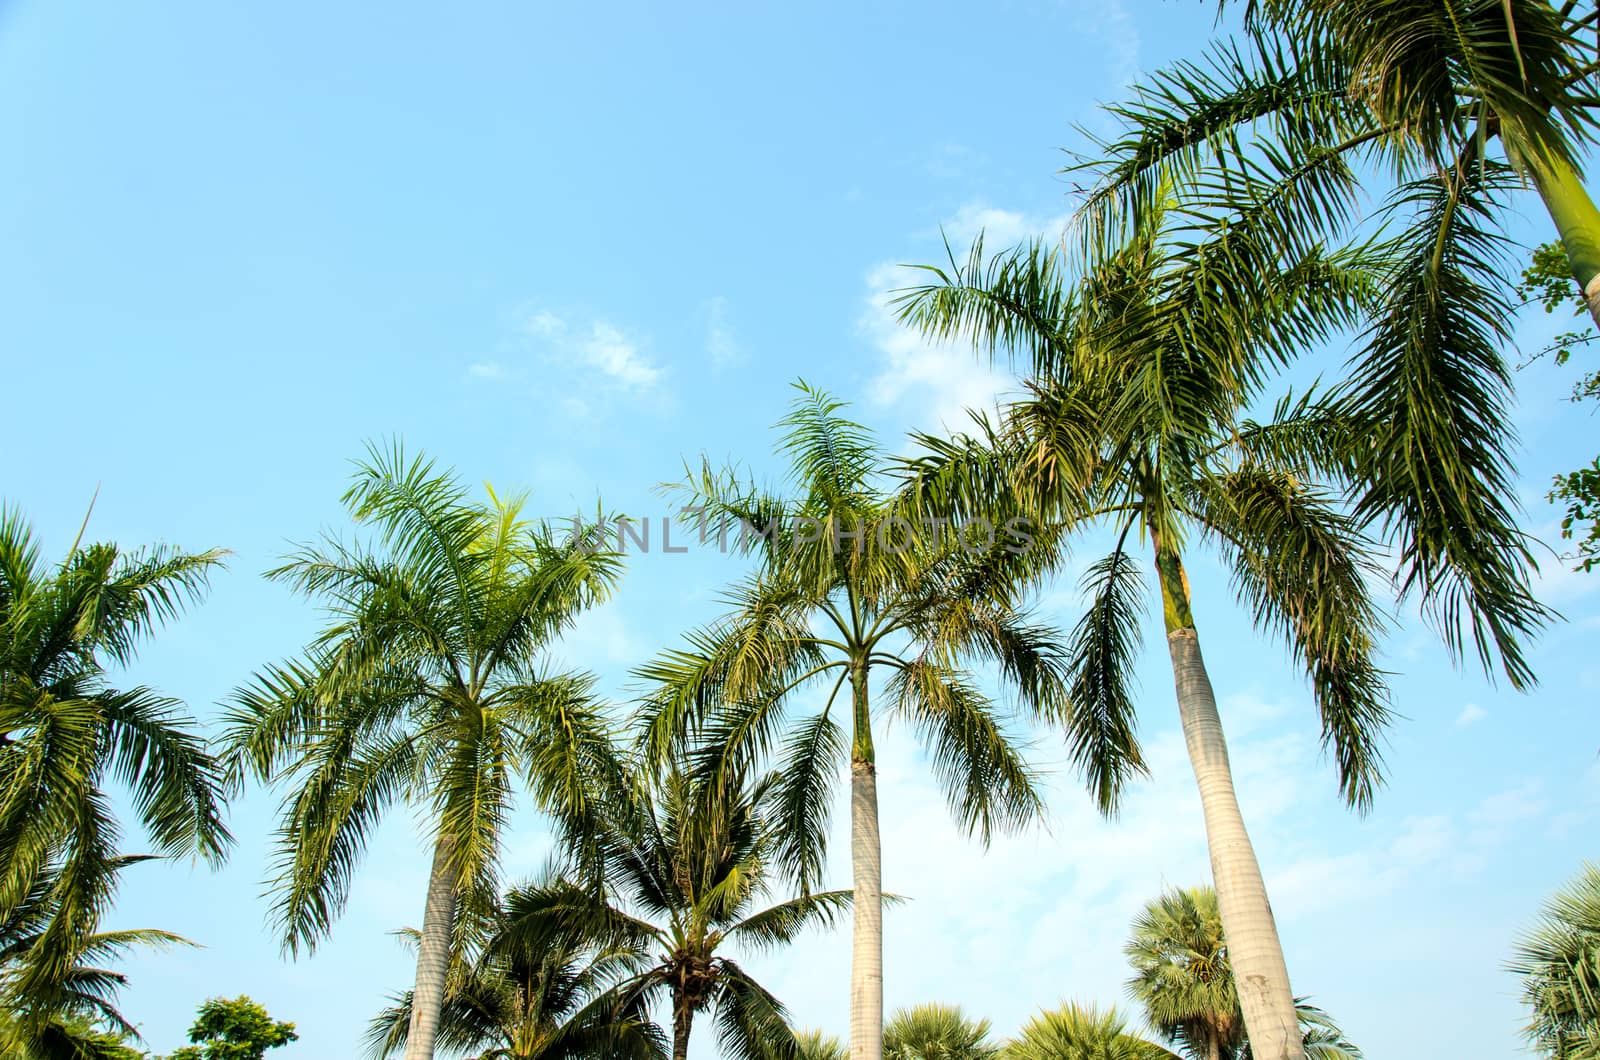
(1254, 951)
(682, 1023)
(1577, 222)
(433, 953)
(866, 861)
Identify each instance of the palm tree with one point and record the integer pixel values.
(815, 1045)
(1137, 422)
(936, 1032)
(67, 734)
(685, 867)
(510, 1002)
(426, 688)
(1082, 1032)
(1559, 964)
(1085, 1032)
(1182, 978)
(1184, 982)
(55, 1010)
(1278, 142)
(845, 588)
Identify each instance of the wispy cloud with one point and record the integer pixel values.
(721, 344)
(945, 379)
(486, 370)
(1471, 714)
(600, 344)
(609, 350)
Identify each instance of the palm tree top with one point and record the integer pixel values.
(428, 684)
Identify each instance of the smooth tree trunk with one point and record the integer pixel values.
(866, 861)
(1259, 970)
(433, 954)
(1577, 222)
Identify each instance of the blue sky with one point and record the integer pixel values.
(563, 251)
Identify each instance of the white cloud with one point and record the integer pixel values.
(486, 370)
(545, 324)
(721, 345)
(1000, 228)
(603, 345)
(1470, 714)
(944, 379)
(609, 350)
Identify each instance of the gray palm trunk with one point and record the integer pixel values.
(1254, 951)
(433, 954)
(1253, 946)
(866, 860)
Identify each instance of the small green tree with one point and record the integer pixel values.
(1548, 280)
(234, 1029)
(937, 1032)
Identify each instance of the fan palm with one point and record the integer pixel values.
(426, 688)
(1082, 1032)
(845, 588)
(66, 732)
(1184, 982)
(1559, 964)
(1433, 108)
(936, 1032)
(685, 867)
(1137, 422)
(815, 1045)
(1085, 1032)
(510, 1002)
(1182, 978)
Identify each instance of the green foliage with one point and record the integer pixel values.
(427, 686)
(1136, 421)
(1558, 962)
(234, 1029)
(507, 1000)
(815, 1045)
(936, 1032)
(834, 601)
(1082, 1032)
(1182, 978)
(1580, 490)
(687, 862)
(1548, 279)
(1274, 144)
(68, 737)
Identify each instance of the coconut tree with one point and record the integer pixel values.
(69, 735)
(936, 1032)
(686, 863)
(1137, 422)
(1558, 962)
(426, 688)
(511, 1002)
(846, 588)
(1439, 112)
